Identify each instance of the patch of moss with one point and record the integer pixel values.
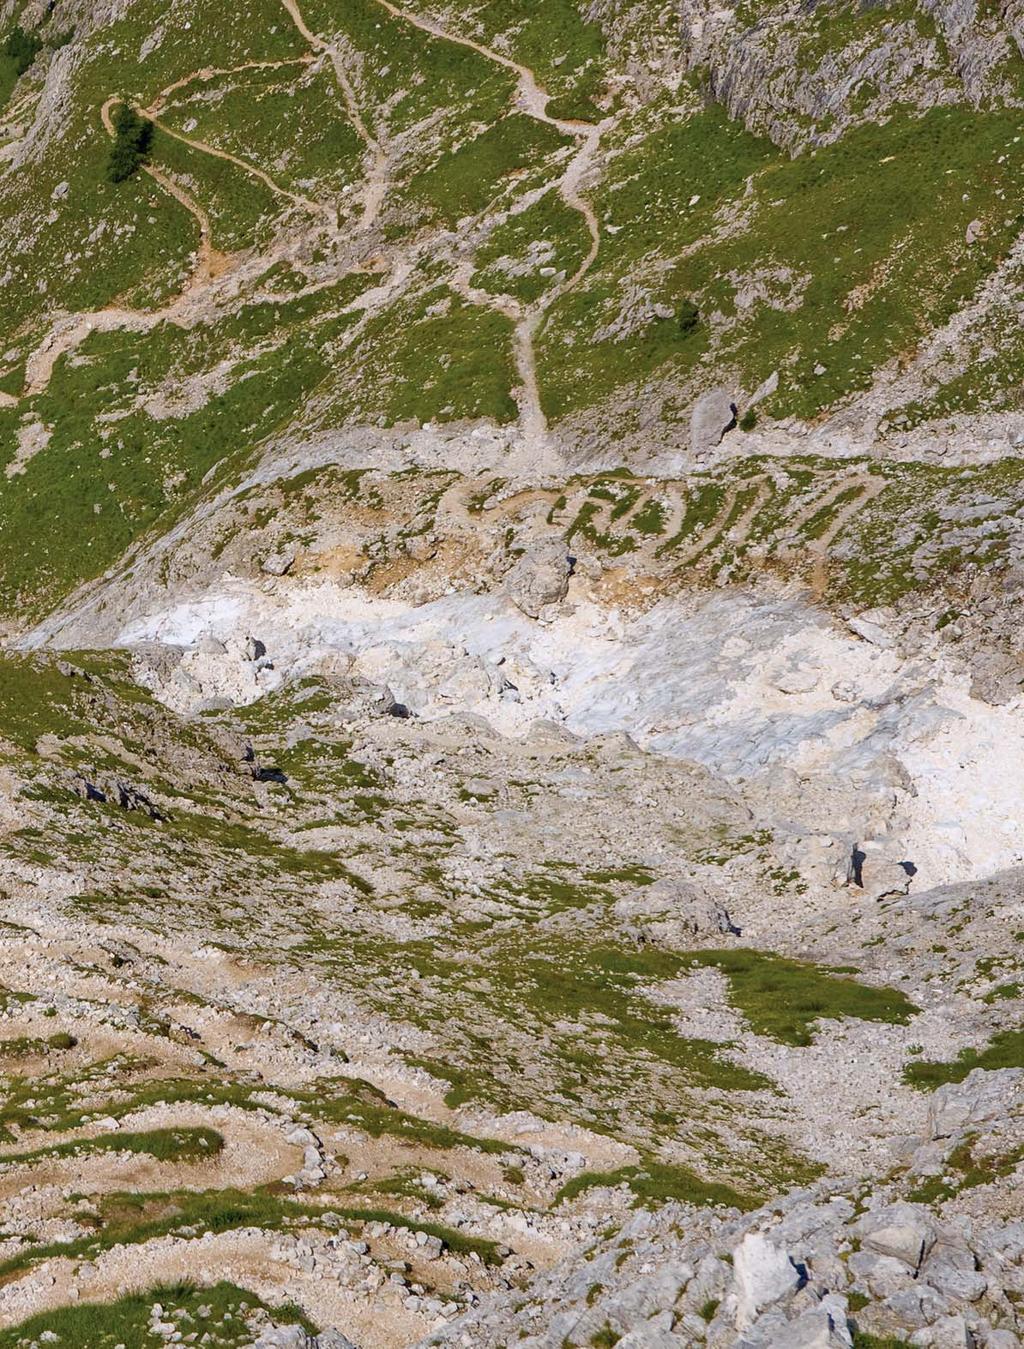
(1004, 1050)
(784, 998)
(655, 1182)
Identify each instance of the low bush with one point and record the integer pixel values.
(22, 48)
(133, 136)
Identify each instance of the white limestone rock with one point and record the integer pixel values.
(540, 577)
(713, 414)
(764, 1274)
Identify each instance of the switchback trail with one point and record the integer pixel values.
(527, 319)
(377, 178)
(533, 100)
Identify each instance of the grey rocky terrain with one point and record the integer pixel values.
(511, 675)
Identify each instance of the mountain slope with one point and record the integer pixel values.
(288, 264)
(511, 688)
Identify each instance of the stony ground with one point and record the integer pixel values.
(427, 1030)
(511, 723)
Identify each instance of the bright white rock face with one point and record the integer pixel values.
(745, 685)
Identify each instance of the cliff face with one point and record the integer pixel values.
(804, 75)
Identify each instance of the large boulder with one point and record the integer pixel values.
(905, 1232)
(983, 1095)
(824, 1327)
(294, 1337)
(540, 577)
(153, 663)
(284, 1337)
(234, 749)
(764, 1275)
(652, 1336)
(673, 910)
(997, 677)
(713, 414)
(356, 699)
(878, 871)
(279, 564)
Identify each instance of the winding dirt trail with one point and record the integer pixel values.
(821, 501)
(155, 109)
(532, 99)
(530, 325)
(205, 262)
(69, 332)
(205, 148)
(208, 73)
(527, 320)
(870, 487)
(377, 178)
(708, 533)
(674, 498)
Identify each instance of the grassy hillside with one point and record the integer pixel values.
(359, 214)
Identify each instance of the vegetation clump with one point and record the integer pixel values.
(222, 1312)
(165, 1145)
(1004, 1050)
(657, 1182)
(784, 998)
(688, 317)
(21, 48)
(133, 136)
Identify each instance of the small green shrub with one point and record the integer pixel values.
(22, 48)
(133, 136)
(862, 1340)
(688, 317)
(605, 1338)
